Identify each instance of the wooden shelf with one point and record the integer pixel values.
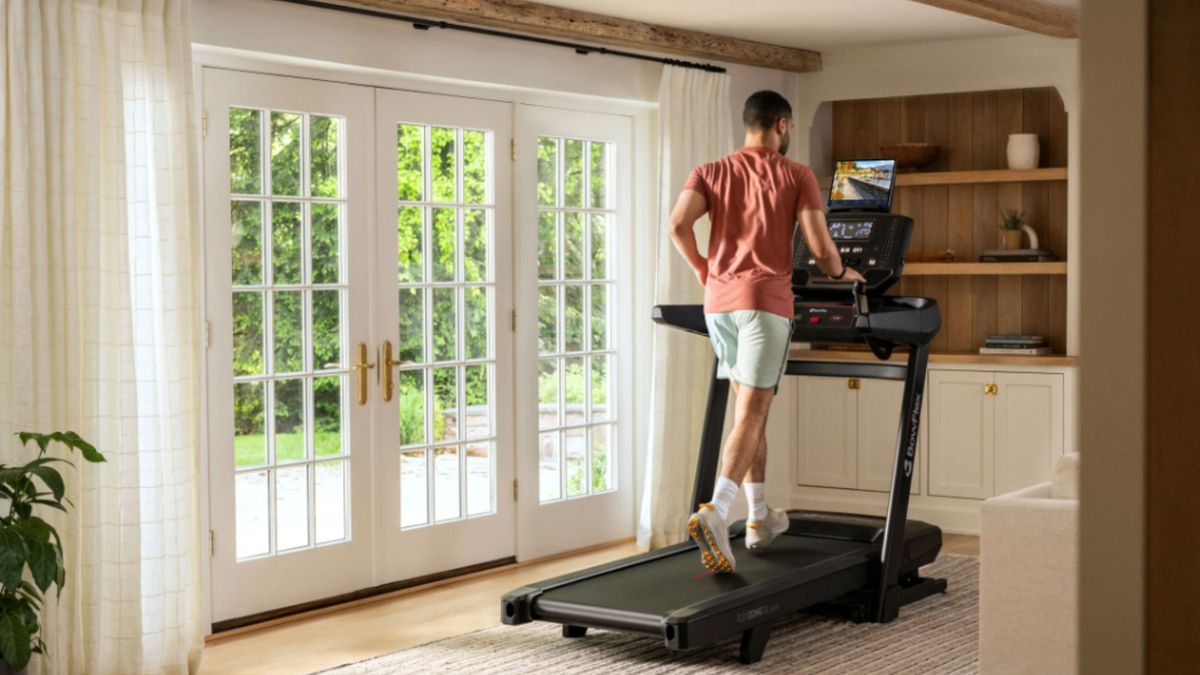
(1054, 173)
(983, 268)
(956, 357)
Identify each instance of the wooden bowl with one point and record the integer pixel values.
(911, 155)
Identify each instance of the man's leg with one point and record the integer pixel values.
(709, 525)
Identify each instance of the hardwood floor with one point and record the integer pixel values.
(414, 616)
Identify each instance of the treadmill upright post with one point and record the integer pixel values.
(886, 606)
(710, 439)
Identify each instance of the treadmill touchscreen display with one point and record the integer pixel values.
(850, 231)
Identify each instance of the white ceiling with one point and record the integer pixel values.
(820, 25)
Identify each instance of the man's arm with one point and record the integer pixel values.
(820, 245)
(688, 209)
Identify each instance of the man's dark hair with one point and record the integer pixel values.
(764, 108)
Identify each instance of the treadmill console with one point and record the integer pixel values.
(872, 243)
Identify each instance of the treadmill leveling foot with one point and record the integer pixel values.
(570, 631)
(754, 642)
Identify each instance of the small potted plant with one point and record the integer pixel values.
(1012, 225)
(31, 554)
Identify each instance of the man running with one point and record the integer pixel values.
(754, 199)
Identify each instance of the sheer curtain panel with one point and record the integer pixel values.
(694, 127)
(99, 323)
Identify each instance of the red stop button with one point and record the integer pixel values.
(814, 319)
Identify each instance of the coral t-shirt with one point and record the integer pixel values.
(753, 196)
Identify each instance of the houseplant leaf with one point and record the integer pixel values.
(14, 641)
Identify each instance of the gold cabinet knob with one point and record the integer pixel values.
(854, 383)
(990, 389)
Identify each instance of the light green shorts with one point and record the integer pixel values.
(751, 346)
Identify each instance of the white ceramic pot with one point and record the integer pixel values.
(1022, 151)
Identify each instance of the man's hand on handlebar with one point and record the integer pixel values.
(852, 275)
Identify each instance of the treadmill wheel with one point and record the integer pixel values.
(570, 631)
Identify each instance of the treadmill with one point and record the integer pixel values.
(859, 567)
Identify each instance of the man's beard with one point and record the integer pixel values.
(784, 140)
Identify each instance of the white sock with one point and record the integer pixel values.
(756, 497)
(724, 495)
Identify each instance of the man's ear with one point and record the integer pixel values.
(781, 125)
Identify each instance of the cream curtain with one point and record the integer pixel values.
(695, 127)
(99, 314)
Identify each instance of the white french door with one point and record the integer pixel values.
(288, 218)
(360, 370)
(574, 340)
(444, 266)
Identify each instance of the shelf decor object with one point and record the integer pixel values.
(1023, 151)
(911, 155)
(1012, 226)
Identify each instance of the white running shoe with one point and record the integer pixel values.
(711, 534)
(760, 533)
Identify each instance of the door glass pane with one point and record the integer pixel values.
(251, 503)
(445, 243)
(444, 162)
(288, 321)
(285, 153)
(446, 483)
(329, 500)
(412, 325)
(289, 420)
(549, 483)
(474, 167)
(283, 413)
(410, 143)
(248, 334)
(326, 333)
(327, 408)
(411, 388)
(576, 462)
(326, 263)
(249, 424)
(478, 413)
(479, 478)
(410, 257)
(247, 243)
(245, 151)
(575, 309)
(475, 314)
(445, 404)
(414, 488)
(324, 139)
(446, 314)
(291, 507)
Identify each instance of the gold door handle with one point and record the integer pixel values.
(854, 383)
(362, 367)
(990, 389)
(388, 364)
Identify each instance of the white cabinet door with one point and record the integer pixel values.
(826, 432)
(879, 404)
(1029, 428)
(961, 434)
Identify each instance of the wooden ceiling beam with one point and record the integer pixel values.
(557, 22)
(1031, 15)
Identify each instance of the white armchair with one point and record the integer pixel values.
(1029, 577)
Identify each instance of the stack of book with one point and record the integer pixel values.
(1015, 345)
(1017, 255)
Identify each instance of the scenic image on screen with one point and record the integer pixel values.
(862, 183)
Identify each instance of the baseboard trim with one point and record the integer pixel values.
(271, 617)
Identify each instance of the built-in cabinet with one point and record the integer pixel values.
(984, 432)
(847, 433)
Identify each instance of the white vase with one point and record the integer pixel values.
(1022, 151)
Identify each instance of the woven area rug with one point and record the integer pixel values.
(935, 635)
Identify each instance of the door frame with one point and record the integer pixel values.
(555, 527)
(337, 578)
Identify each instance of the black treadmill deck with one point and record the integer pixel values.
(669, 593)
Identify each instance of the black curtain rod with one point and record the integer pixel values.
(426, 24)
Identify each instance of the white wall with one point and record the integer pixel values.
(279, 38)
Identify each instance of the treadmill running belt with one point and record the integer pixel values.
(662, 586)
